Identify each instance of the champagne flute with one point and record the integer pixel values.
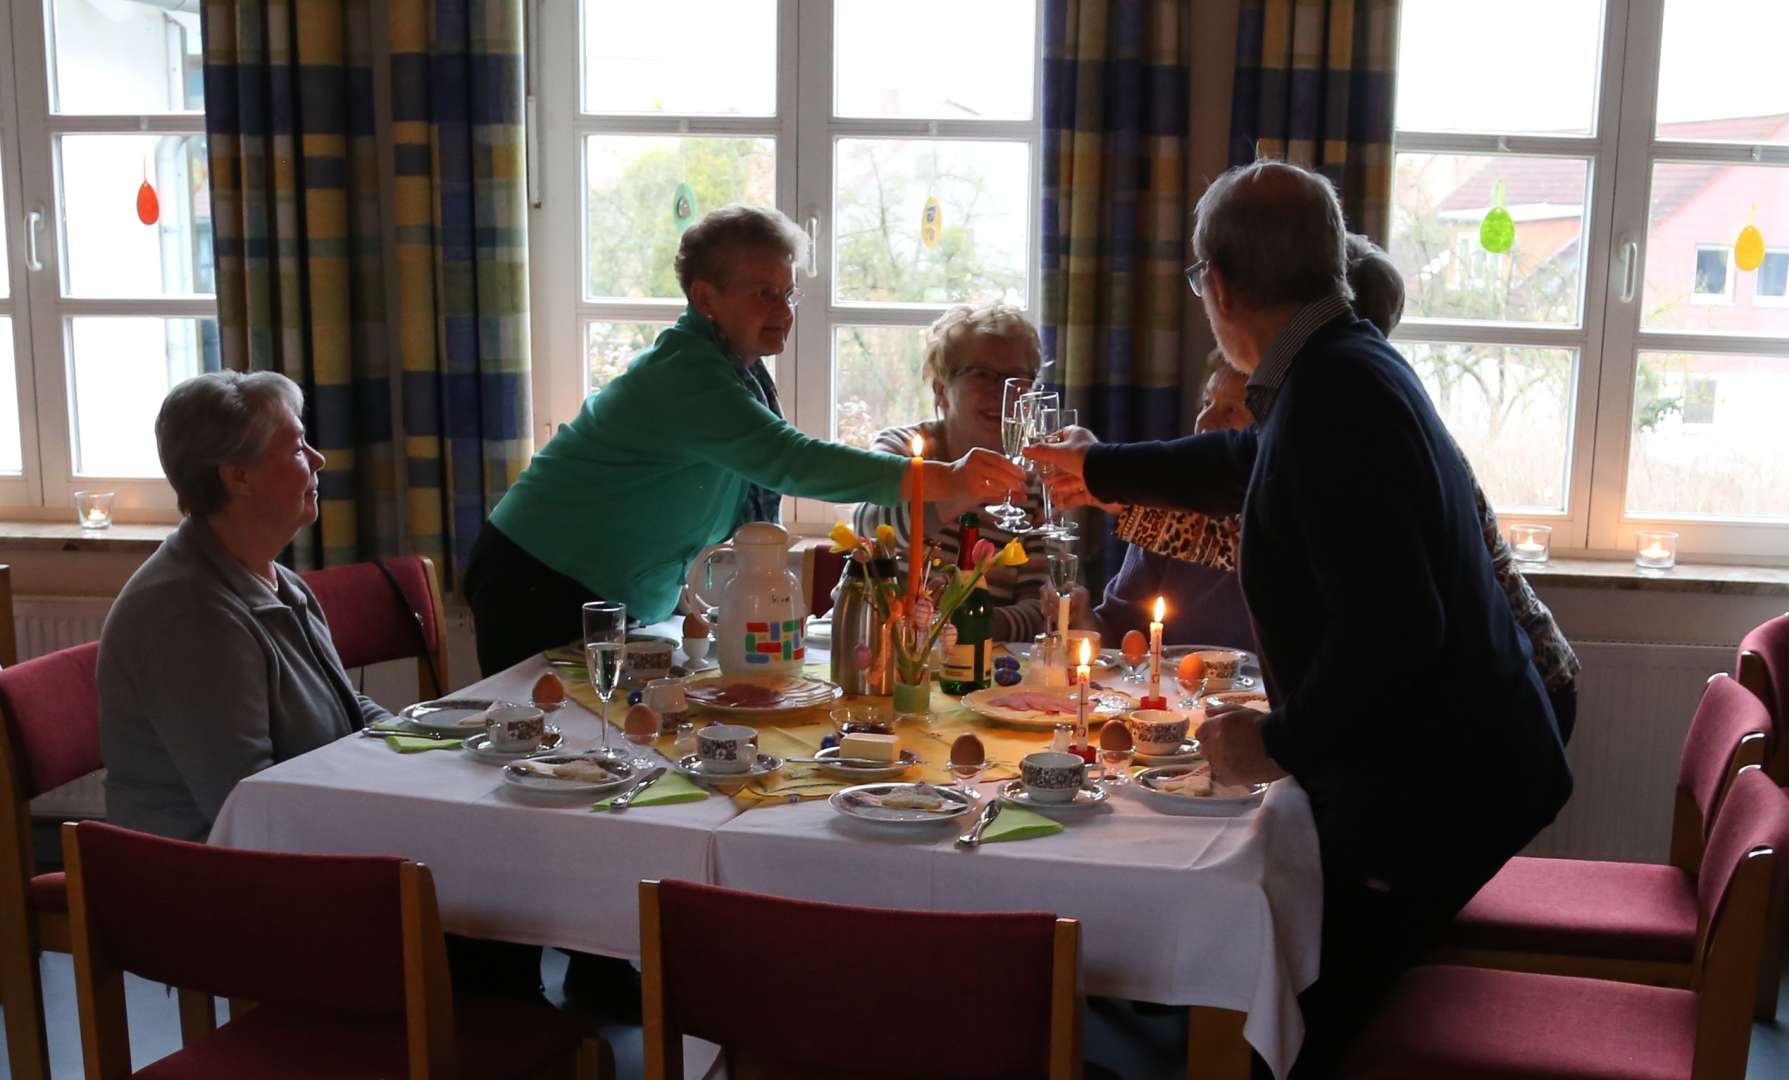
(1013, 417)
(1061, 528)
(605, 640)
(1046, 427)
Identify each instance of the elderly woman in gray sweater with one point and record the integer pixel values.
(215, 662)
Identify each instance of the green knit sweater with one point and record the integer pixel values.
(655, 467)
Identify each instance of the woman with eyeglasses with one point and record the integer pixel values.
(970, 353)
(676, 453)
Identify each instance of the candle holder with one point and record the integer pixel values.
(1655, 550)
(93, 509)
(1531, 543)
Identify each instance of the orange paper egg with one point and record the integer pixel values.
(967, 750)
(1191, 671)
(548, 690)
(1134, 645)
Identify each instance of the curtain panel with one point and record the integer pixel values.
(1314, 86)
(333, 197)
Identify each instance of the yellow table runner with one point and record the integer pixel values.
(798, 734)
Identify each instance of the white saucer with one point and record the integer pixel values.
(691, 766)
(866, 772)
(1187, 752)
(1013, 793)
(478, 747)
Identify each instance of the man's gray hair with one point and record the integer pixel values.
(1377, 282)
(708, 247)
(1274, 232)
(219, 418)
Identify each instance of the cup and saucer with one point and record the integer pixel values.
(1162, 736)
(512, 732)
(727, 754)
(1052, 781)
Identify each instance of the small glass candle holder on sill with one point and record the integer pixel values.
(93, 509)
(1655, 550)
(1531, 543)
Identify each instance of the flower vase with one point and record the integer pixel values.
(913, 699)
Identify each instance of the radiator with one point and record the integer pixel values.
(47, 623)
(1634, 706)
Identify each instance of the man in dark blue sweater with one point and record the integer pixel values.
(1404, 699)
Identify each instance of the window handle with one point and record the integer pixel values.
(812, 269)
(1630, 265)
(33, 223)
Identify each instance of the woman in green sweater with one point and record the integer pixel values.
(676, 453)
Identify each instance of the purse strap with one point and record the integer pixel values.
(422, 634)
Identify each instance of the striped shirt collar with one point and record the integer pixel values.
(1276, 362)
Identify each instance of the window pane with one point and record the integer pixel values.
(1773, 276)
(894, 60)
(980, 244)
(1510, 409)
(120, 368)
(5, 251)
(699, 57)
(1455, 64)
(1720, 72)
(633, 199)
(113, 56)
(1440, 203)
(1708, 436)
(12, 461)
(1693, 277)
(611, 346)
(110, 252)
(877, 381)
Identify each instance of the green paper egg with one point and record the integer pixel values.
(1497, 232)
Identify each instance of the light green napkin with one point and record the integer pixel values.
(669, 788)
(415, 744)
(1018, 823)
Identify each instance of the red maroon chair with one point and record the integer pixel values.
(804, 978)
(1763, 668)
(343, 957)
(49, 735)
(828, 568)
(1465, 1022)
(371, 625)
(1614, 920)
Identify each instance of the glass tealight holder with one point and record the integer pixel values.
(93, 509)
(1655, 550)
(1530, 543)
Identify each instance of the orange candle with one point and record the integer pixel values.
(916, 539)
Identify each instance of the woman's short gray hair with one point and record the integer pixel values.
(954, 327)
(219, 418)
(708, 247)
(1274, 232)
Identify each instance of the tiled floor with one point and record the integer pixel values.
(1132, 1044)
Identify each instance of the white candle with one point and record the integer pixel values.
(95, 516)
(1083, 675)
(1655, 550)
(1155, 650)
(1529, 547)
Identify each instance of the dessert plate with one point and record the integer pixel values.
(864, 802)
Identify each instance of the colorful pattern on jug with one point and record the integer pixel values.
(769, 641)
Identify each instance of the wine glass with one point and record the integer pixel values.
(1065, 567)
(1014, 414)
(1052, 423)
(605, 640)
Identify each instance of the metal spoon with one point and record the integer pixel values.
(973, 837)
(622, 800)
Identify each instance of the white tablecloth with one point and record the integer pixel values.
(1223, 912)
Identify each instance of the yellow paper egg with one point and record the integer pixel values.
(1748, 250)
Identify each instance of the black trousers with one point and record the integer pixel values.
(520, 605)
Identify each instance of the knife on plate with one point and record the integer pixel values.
(622, 800)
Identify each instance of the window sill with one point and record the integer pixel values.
(59, 536)
(1623, 575)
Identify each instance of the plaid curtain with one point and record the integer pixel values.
(1115, 142)
(1314, 84)
(302, 205)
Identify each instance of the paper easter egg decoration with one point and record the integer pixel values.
(1748, 250)
(683, 206)
(1498, 231)
(931, 222)
(149, 208)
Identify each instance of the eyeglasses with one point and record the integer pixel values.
(988, 378)
(770, 297)
(1195, 276)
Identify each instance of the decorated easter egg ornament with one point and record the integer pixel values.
(149, 207)
(683, 206)
(1748, 250)
(1498, 231)
(931, 222)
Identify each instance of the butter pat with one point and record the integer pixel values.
(873, 747)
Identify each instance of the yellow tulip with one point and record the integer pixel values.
(843, 538)
(1013, 554)
(885, 535)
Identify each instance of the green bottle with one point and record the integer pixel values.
(969, 665)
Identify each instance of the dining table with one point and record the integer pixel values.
(1218, 914)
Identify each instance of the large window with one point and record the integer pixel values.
(106, 299)
(909, 155)
(1594, 259)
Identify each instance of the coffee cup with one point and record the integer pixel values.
(514, 728)
(1157, 731)
(1052, 776)
(1220, 668)
(727, 748)
(645, 658)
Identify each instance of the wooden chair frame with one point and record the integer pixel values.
(9, 634)
(428, 990)
(24, 931)
(664, 1044)
(426, 687)
(1749, 670)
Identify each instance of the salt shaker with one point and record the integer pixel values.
(686, 739)
(1063, 738)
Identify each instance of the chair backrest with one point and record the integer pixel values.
(814, 971)
(1730, 730)
(370, 626)
(49, 719)
(1763, 668)
(1736, 890)
(829, 567)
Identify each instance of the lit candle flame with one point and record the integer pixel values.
(1086, 651)
(1160, 609)
(919, 446)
